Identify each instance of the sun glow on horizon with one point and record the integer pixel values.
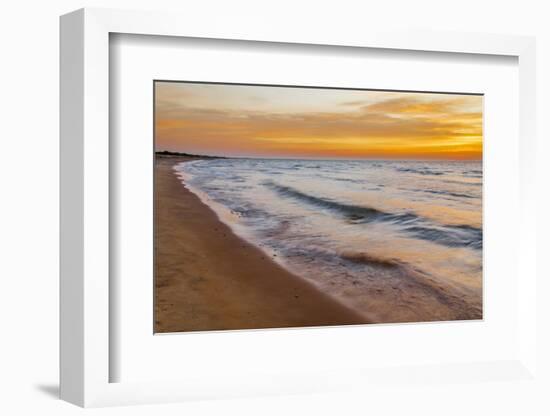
(289, 122)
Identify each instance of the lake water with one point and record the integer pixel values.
(398, 241)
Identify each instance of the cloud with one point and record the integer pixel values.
(407, 126)
(356, 103)
(417, 106)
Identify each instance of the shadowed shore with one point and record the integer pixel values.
(207, 278)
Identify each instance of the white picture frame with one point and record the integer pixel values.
(85, 220)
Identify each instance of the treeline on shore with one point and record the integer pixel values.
(181, 154)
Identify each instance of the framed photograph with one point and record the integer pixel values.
(270, 212)
(288, 206)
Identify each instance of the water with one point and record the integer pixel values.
(398, 241)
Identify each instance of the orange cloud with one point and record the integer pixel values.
(405, 126)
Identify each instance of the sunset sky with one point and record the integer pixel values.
(279, 122)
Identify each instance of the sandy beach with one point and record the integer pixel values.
(207, 278)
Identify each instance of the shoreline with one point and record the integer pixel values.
(208, 278)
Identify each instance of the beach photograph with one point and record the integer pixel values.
(291, 206)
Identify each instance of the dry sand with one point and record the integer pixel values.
(207, 278)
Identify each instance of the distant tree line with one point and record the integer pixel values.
(170, 153)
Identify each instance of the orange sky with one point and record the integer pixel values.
(257, 121)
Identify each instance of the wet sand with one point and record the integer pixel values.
(207, 278)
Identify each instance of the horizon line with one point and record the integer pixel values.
(175, 153)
